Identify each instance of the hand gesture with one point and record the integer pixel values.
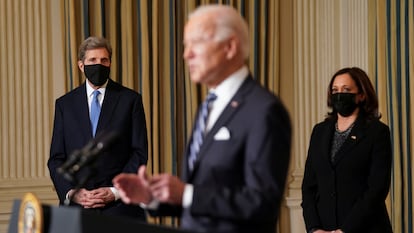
(167, 188)
(133, 188)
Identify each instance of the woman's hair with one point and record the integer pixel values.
(368, 108)
(93, 43)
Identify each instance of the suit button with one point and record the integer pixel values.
(333, 194)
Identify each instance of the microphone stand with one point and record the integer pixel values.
(85, 158)
(81, 183)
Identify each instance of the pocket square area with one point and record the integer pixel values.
(222, 134)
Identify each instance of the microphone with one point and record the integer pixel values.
(87, 155)
(102, 143)
(72, 160)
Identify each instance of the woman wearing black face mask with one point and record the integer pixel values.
(348, 168)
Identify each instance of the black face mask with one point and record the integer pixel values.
(97, 74)
(344, 103)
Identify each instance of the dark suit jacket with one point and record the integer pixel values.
(239, 183)
(122, 112)
(350, 193)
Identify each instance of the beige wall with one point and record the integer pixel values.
(31, 71)
(318, 37)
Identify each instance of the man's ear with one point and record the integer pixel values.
(232, 46)
(81, 65)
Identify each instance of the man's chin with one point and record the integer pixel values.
(195, 78)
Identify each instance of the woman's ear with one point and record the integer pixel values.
(361, 97)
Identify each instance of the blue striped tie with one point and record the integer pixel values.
(199, 130)
(95, 111)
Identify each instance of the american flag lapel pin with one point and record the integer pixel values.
(234, 104)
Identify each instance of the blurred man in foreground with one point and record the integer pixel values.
(236, 162)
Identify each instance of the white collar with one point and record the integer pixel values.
(90, 89)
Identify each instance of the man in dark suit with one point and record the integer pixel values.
(234, 171)
(117, 110)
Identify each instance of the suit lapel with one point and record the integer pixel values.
(327, 136)
(235, 103)
(354, 137)
(108, 105)
(82, 112)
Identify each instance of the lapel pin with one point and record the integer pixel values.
(234, 104)
(353, 137)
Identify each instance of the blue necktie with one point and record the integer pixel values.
(199, 130)
(95, 111)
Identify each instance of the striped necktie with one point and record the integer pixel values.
(199, 130)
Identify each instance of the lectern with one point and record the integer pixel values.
(75, 220)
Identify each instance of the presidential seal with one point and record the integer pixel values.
(30, 215)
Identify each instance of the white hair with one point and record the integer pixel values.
(229, 22)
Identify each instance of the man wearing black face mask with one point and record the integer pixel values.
(97, 74)
(99, 106)
(348, 168)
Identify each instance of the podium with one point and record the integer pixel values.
(62, 219)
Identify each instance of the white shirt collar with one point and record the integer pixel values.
(230, 85)
(225, 92)
(89, 91)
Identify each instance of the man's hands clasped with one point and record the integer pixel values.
(95, 198)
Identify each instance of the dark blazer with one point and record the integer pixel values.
(350, 193)
(122, 112)
(239, 182)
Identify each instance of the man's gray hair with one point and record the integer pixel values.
(93, 42)
(228, 22)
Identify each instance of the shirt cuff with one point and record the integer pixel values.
(153, 205)
(188, 195)
(67, 195)
(115, 192)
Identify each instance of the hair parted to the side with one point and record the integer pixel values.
(228, 23)
(367, 108)
(93, 42)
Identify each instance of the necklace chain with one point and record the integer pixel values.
(344, 131)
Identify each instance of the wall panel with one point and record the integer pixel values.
(28, 71)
